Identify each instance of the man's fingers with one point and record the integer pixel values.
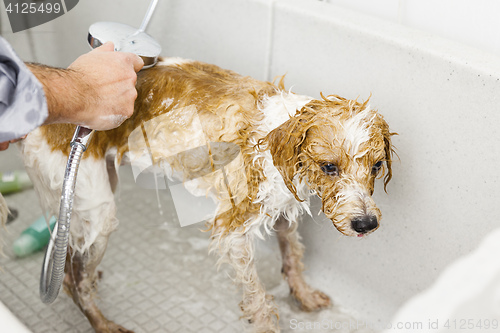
(134, 60)
(106, 47)
(137, 62)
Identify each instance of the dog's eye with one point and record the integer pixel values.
(376, 167)
(330, 169)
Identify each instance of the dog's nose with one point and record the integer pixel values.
(365, 223)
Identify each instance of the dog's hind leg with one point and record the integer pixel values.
(80, 284)
(237, 248)
(92, 222)
(292, 251)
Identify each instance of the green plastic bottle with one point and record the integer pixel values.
(34, 238)
(14, 181)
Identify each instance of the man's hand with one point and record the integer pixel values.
(96, 91)
(112, 76)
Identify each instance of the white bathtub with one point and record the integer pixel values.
(9, 322)
(441, 97)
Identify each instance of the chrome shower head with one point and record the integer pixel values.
(126, 39)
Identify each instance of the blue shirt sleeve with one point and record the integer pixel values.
(23, 106)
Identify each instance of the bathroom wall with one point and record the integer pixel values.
(432, 71)
(472, 23)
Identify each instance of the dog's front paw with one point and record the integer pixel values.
(313, 300)
(261, 315)
(270, 328)
(264, 324)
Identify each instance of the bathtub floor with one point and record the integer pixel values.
(157, 276)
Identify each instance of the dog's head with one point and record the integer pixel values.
(339, 147)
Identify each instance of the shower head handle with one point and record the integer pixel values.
(82, 137)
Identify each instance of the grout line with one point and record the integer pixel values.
(401, 10)
(270, 41)
(31, 43)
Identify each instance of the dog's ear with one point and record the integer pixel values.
(284, 144)
(389, 151)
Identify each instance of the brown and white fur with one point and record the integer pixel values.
(290, 147)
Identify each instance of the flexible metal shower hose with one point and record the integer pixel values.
(55, 257)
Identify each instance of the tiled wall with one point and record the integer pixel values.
(440, 96)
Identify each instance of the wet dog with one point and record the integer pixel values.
(258, 150)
